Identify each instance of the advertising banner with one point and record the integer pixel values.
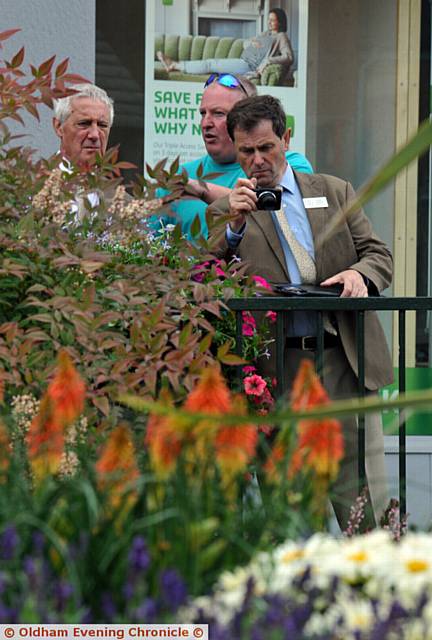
(187, 40)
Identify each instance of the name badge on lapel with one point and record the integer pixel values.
(315, 203)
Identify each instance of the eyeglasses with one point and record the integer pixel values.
(226, 80)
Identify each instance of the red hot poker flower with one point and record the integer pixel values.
(235, 444)
(164, 442)
(66, 391)
(211, 395)
(320, 444)
(320, 447)
(45, 440)
(117, 465)
(61, 405)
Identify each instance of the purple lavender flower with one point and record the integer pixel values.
(4, 614)
(38, 540)
(29, 567)
(147, 612)
(109, 609)
(8, 543)
(63, 592)
(173, 589)
(275, 612)
(139, 556)
(87, 617)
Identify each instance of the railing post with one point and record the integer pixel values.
(280, 353)
(361, 392)
(402, 418)
(319, 355)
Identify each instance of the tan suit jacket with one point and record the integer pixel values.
(353, 245)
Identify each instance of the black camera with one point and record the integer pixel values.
(269, 199)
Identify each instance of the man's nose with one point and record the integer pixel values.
(206, 122)
(93, 130)
(258, 159)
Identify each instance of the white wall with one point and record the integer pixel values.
(50, 27)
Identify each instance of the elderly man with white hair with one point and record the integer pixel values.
(83, 121)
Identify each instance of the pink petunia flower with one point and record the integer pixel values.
(247, 330)
(262, 282)
(248, 318)
(248, 369)
(249, 324)
(271, 315)
(254, 385)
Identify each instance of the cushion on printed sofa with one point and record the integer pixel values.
(210, 47)
(223, 48)
(236, 48)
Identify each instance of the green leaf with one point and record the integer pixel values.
(185, 334)
(232, 359)
(211, 554)
(26, 224)
(205, 343)
(195, 228)
(18, 58)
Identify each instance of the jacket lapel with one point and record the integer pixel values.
(265, 221)
(311, 186)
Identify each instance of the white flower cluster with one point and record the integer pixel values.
(357, 583)
(24, 409)
(75, 435)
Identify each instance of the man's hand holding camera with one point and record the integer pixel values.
(242, 201)
(246, 198)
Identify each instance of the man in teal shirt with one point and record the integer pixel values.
(221, 92)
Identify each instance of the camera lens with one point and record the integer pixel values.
(266, 200)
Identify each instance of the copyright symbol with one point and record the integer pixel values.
(198, 633)
(9, 633)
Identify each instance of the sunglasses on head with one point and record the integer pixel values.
(226, 80)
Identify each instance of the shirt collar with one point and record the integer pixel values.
(65, 165)
(288, 180)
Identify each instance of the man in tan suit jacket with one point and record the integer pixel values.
(352, 256)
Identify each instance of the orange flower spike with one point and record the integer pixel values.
(235, 445)
(45, 440)
(5, 450)
(211, 394)
(321, 445)
(118, 459)
(66, 391)
(270, 467)
(164, 443)
(307, 389)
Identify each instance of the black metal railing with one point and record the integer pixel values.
(283, 305)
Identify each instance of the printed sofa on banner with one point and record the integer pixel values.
(198, 47)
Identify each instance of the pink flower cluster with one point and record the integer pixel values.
(249, 324)
(262, 282)
(203, 268)
(256, 386)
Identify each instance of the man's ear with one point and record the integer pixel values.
(58, 127)
(286, 138)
